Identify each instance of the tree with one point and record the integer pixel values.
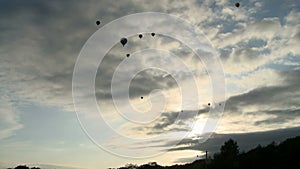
(230, 150)
(131, 166)
(227, 158)
(22, 167)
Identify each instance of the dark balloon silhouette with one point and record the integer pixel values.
(123, 41)
(127, 54)
(208, 104)
(237, 4)
(140, 36)
(142, 97)
(152, 34)
(98, 22)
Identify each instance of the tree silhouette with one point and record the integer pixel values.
(227, 158)
(230, 150)
(272, 156)
(22, 167)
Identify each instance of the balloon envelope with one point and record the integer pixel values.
(123, 41)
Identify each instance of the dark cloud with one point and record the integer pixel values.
(297, 35)
(173, 122)
(146, 81)
(225, 52)
(291, 77)
(281, 102)
(41, 40)
(167, 119)
(170, 118)
(245, 141)
(185, 160)
(142, 84)
(250, 49)
(258, 96)
(284, 95)
(254, 43)
(281, 116)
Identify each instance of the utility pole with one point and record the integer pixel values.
(206, 159)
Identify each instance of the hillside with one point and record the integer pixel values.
(281, 156)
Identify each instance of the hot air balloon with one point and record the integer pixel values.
(152, 34)
(98, 22)
(123, 41)
(140, 36)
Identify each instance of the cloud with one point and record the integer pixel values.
(246, 141)
(53, 57)
(172, 122)
(281, 116)
(278, 37)
(262, 108)
(185, 160)
(10, 120)
(292, 18)
(40, 48)
(40, 42)
(280, 95)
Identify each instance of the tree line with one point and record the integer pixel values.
(285, 155)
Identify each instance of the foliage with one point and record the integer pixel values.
(24, 167)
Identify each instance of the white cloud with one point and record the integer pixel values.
(255, 79)
(292, 18)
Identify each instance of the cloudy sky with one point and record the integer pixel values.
(255, 44)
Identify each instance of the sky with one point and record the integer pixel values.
(43, 123)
